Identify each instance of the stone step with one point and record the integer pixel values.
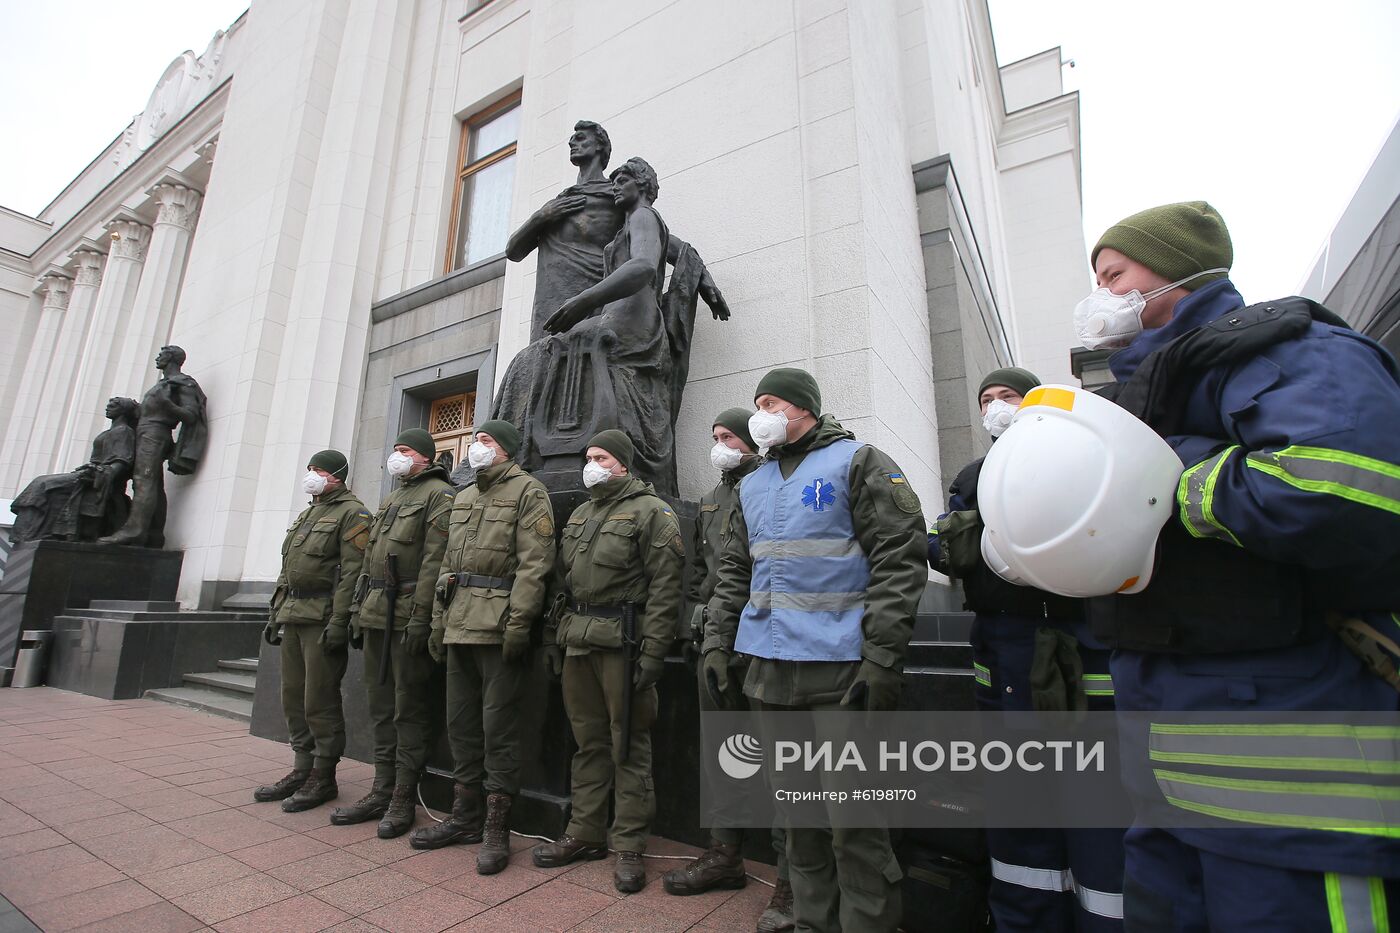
(230, 706)
(129, 615)
(135, 605)
(248, 602)
(240, 664)
(232, 681)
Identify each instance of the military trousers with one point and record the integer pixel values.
(593, 696)
(399, 710)
(483, 717)
(730, 809)
(842, 878)
(311, 697)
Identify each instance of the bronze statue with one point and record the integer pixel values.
(176, 401)
(91, 501)
(595, 263)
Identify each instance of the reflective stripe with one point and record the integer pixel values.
(1282, 746)
(1196, 494)
(805, 547)
(1356, 904)
(1101, 903)
(1317, 805)
(981, 674)
(1040, 879)
(807, 602)
(1098, 685)
(1336, 472)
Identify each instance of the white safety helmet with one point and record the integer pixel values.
(1074, 495)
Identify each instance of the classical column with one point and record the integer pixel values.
(45, 439)
(53, 287)
(153, 308)
(110, 317)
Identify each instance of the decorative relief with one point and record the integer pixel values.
(129, 240)
(56, 289)
(179, 206)
(89, 272)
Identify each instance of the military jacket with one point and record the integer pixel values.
(622, 545)
(412, 524)
(712, 524)
(888, 524)
(501, 527)
(331, 533)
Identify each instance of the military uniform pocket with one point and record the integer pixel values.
(407, 524)
(615, 545)
(497, 531)
(322, 539)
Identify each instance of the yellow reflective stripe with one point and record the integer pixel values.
(1356, 904)
(1195, 493)
(981, 674)
(1315, 788)
(1346, 765)
(1380, 913)
(1326, 730)
(1104, 684)
(1349, 476)
(1288, 822)
(1335, 912)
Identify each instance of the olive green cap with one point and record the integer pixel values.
(736, 420)
(419, 440)
(1174, 241)
(504, 433)
(792, 385)
(1013, 377)
(332, 461)
(617, 444)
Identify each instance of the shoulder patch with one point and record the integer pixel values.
(904, 497)
(544, 526)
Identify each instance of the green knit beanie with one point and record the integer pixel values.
(792, 385)
(736, 420)
(617, 444)
(1013, 377)
(1173, 240)
(332, 461)
(419, 440)
(504, 433)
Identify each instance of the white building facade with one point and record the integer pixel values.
(316, 208)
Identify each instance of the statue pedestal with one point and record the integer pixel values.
(42, 578)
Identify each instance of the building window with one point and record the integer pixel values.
(485, 179)
(450, 422)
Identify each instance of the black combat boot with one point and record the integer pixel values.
(495, 847)
(463, 826)
(402, 807)
(778, 915)
(369, 807)
(566, 851)
(719, 866)
(284, 788)
(630, 873)
(319, 788)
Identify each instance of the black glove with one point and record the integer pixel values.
(270, 633)
(334, 638)
(415, 638)
(436, 647)
(724, 692)
(875, 688)
(357, 635)
(649, 670)
(554, 657)
(515, 647)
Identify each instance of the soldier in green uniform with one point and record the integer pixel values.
(500, 556)
(411, 525)
(321, 558)
(622, 555)
(827, 630)
(721, 865)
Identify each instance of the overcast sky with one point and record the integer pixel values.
(1272, 110)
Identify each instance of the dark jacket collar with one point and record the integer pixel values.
(1195, 310)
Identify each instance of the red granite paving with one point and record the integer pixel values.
(133, 815)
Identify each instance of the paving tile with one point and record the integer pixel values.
(369, 891)
(96, 827)
(356, 925)
(271, 811)
(279, 852)
(203, 776)
(318, 871)
(234, 898)
(33, 841)
(221, 785)
(380, 851)
(439, 864)
(147, 850)
(195, 876)
(740, 912)
(304, 914)
(52, 810)
(347, 835)
(427, 911)
(227, 830)
(75, 910)
(53, 873)
(554, 907)
(495, 889)
(160, 917)
(141, 784)
(174, 803)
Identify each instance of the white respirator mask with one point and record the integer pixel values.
(725, 457)
(998, 416)
(1104, 320)
(769, 428)
(399, 464)
(313, 483)
(480, 456)
(594, 473)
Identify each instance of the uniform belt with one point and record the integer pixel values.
(403, 587)
(481, 579)
(295, 593)
(600, 611)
